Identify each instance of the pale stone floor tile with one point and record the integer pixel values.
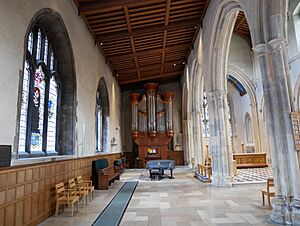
(163, 194)
(183, 201)
(250, 218)
(235, 218)
(222, 220)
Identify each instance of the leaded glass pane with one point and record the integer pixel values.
(30, 42)
(46, 50)
(37, 113)
(99, 129)
(205, 118)
(230, 120)
(39, 45)
(52, 115)
(52, 61)
(24, 108)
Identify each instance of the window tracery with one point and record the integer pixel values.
(40, 98)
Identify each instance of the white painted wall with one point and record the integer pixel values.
(240, 55)
(15, 17)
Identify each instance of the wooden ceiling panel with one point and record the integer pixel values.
(241, 27)
(142, 40)
(149, 73)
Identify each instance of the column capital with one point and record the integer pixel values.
(277, 43)
(260, 49)
(274, 44)
(217, 93)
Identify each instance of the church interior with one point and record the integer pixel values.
(149, 112)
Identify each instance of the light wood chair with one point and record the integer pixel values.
(65, 197)
(88, 185)
(269, 192)
(81, 190)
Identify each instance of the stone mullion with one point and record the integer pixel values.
(220, 147)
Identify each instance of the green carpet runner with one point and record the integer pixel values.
(114, 211)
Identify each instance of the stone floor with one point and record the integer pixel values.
(182, 201)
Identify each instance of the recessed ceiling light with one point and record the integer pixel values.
(174, 65)
(101, 43)
(117, 75)
(183, 63)
(195, 27)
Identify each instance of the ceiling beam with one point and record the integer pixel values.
(175, 73)
(104, 5)
(149, 67)
(174, 48)
(147, 30)
(240, 23)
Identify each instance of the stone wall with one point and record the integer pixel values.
(89, 68)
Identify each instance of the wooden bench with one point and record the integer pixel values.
(106, 176)
(250, 160)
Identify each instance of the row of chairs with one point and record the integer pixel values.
(74, 191)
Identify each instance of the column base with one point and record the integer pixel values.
(281, 213)
(296, 212)
(221, 181)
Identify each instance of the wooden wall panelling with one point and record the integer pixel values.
(27, 195)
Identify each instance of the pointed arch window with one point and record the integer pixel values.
(205, 118)
(38, 129)
(248, 127)
(99, 128)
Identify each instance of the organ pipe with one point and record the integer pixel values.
(151, 113)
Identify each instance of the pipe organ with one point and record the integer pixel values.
(152, 122)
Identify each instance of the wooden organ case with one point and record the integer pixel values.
(152, 123)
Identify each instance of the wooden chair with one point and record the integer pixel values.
(65, 197)
(88, 185)
(269, 192)
(81, 190)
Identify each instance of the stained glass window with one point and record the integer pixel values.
(205, 118)
(39, 45)
(52, 114)
(24, 108)
(40, 95)
(99, 138)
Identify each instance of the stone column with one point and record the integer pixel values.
(197, 134)
(275, 75)
(186, 141)
(191, 138)
(255, 126)
(220, 144)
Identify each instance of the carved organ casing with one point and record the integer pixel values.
(152, 122)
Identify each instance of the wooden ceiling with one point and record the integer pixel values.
(147, 40)
(241, 27)
(144, 40)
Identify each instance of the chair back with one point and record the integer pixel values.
(79, 179)
(60, 189)
(71, 183)
(270, 183)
